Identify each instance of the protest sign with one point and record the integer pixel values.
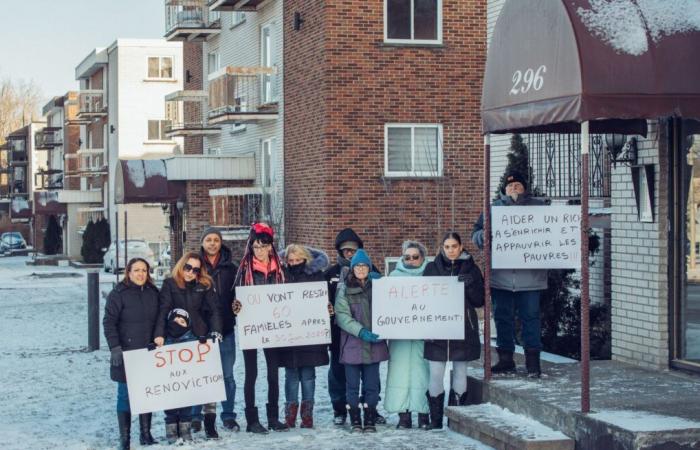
(283, 315)
(536, 237)
(174, 376)
(418, 308)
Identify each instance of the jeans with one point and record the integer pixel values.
(369, 373)
(227, 348)
(123, 398)
(304, 375)
(336, 380)
(526, 304)
(272, 360)
(178, 415)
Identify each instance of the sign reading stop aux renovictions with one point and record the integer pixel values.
(536, 237)
(174, 376)
(283, 315)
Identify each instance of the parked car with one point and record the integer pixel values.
(134, 248)
(12, 240)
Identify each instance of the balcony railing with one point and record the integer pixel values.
(189, 20)
(243, 95)
(238, 211)
(48, 138)
(92, 164)
(185, 116)
(92, 104)
(235, 5)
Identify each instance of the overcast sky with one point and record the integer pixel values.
(43, 40)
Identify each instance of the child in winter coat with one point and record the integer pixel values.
(361, 351)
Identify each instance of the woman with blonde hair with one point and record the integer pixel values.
(190, 288)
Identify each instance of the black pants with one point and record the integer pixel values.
(250, 359)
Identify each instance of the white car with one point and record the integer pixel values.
(134, 249)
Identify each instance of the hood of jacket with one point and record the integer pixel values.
(319, 260)
(121, 287)
(443, 263)
(347, 234)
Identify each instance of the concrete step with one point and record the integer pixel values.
(504, 430)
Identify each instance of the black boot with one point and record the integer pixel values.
(370, 419)
(423, 421)
(124, 419)
(463, 399)
(437, 411)
(210, 426)
(273, 418)
(532, 362)
(252, 422)
(185, 430)
(355, 419)
(171, 433)
(405, 420)
(378, 418)
(196, 426)
(453, 398)
(145, 427)
(340, 413)
(505, 363)
(231, 424)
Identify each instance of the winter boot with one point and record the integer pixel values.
(196, 426)
(423, 421)
(307, 414)
(231, 424)
(355, 419)
(463, 399)
(145, 427)
(532, 362)
(171, 432)
(210, 426)
(290, 414)
(252, 422)
(453, 398)
(124, 419)
(340, 413)
(378, 418)
(185, 428)
(370, 422)
(437, 410)
(405, 420)
(273, 416)
(505, 363)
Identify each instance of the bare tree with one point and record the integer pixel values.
(19, 104)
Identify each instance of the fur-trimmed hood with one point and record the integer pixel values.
(319, 260)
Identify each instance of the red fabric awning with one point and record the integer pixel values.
(553, 64)
(146, 181)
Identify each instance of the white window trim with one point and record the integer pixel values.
(217, 54)
(264, 167)
(413, 173)
(437, 41)
(162, 139)
(160, 68)
(263, 97)
(241, 15)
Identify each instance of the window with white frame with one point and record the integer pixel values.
(238, 17)
(413, 21)
(413, 150)
(213, 62)
(160, 67)
(267, 169)
(268, 94)
(156, 130)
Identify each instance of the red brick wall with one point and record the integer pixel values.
(342, 84)
(192, 62)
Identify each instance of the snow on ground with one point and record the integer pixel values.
(58, 396)
(644, 421)
(515, 424)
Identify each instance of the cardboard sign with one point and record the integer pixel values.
(418, 308)
(174, 376)
(536, 237)
(283, 315)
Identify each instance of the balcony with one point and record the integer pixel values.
(190, 20)
(48, 179)
(243, 95)
(92, 164)
(235, 5)
(92, 104)
(184, 111)
(48, 138)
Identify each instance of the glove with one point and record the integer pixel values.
(116, 356)
(478, 238)
(368, 336)
(216, 337)
(466, 279)
(151, 346)
(202, 339)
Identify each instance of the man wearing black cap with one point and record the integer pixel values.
(515, 291)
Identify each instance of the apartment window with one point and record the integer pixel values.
(213, 62)
(267, 170)
(238, 18)
(160, 67)
(413, 21)
(214, 16)
(266, 60)
(413, 150)
(156, 130)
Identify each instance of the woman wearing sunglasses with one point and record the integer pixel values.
(408, 376)
(190, 288)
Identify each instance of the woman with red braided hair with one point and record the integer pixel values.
(260, 265)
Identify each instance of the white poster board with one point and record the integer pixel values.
(283, 315)
(174, 376)
(418, 308)
(536, 237)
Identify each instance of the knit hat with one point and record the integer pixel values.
(175, 329)
(352, 245)
(208, 231)
(360, 257)
(514, 177)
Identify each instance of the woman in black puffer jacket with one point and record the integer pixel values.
(454, 261)
(130, 317)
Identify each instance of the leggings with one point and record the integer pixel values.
(437, 377)
(250, 360)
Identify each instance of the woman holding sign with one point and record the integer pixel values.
(130, 316)
(454, 261)
(261, 265)
(408, 375)
(304, 265)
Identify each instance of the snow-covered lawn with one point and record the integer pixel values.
(58, 396)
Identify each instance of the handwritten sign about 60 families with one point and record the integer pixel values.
(418, 308)
(174, 376)
(536, 237)
(283, 315)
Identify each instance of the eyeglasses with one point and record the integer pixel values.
(411, 257)
(190, 268)
(261, 247)
(362, 266)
